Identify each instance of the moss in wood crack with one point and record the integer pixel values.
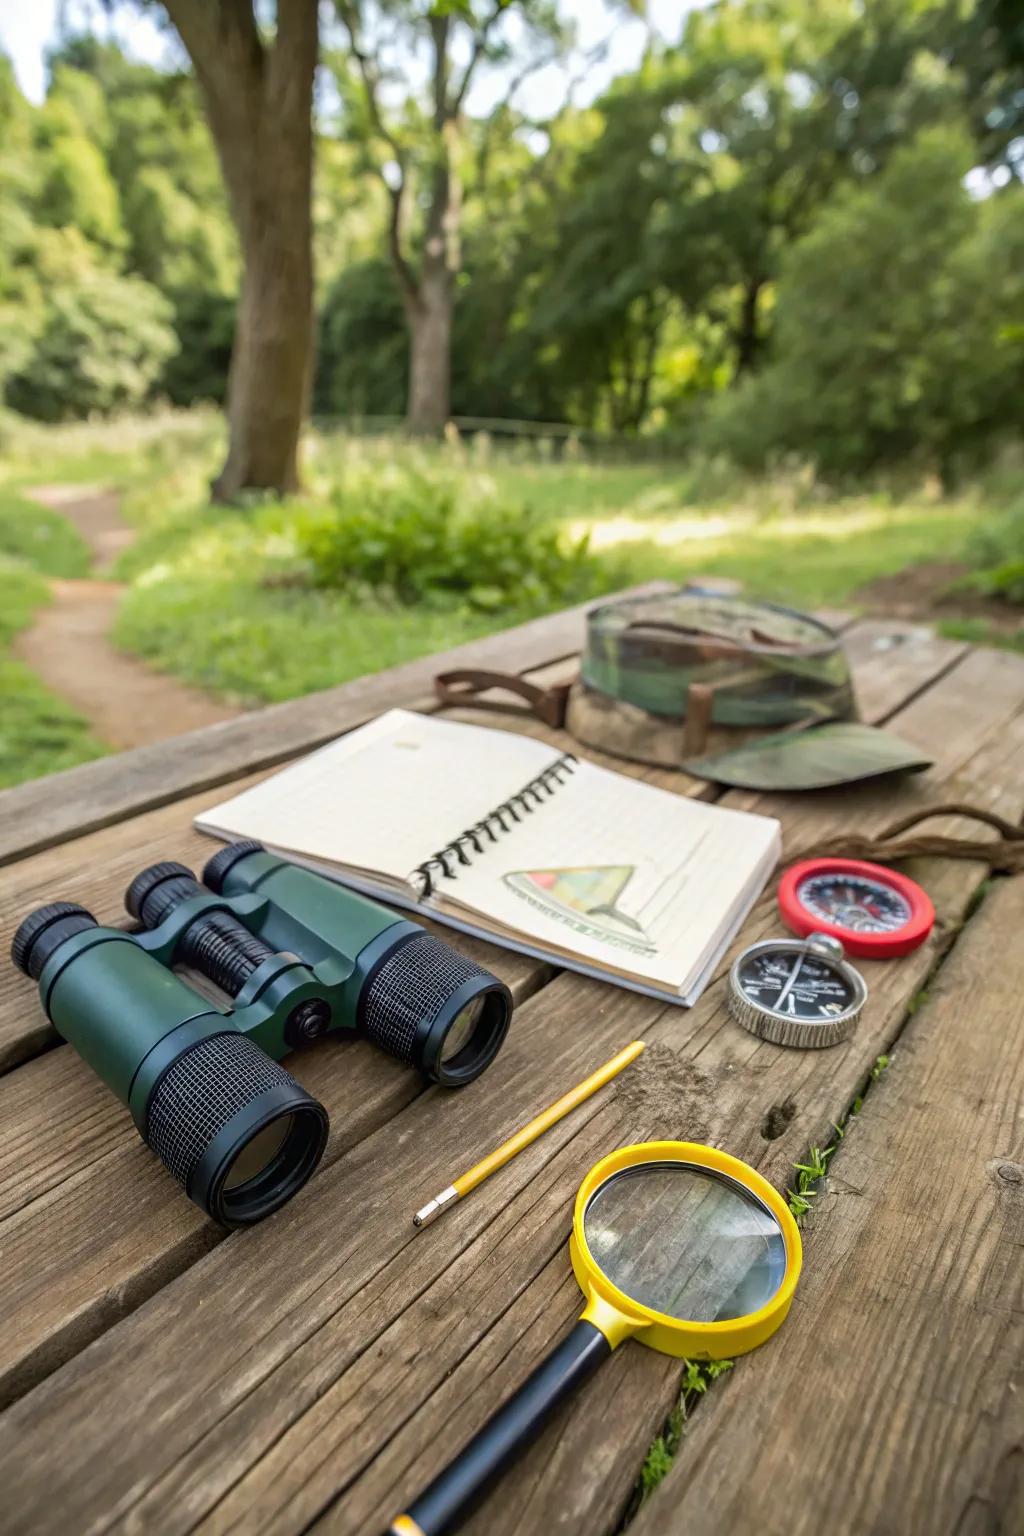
(811, 1172)
(698, 1377)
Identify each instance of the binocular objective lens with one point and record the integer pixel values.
(462, 1030)
(235, 1128)
(258, 1153)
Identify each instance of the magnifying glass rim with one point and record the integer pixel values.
(696, 1155)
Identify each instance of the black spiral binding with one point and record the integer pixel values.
(461, 848)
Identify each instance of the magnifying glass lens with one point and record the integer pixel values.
(686, 1241)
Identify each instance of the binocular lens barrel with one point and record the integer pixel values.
(433, 1008)
(421, 1000)
(235, 1129)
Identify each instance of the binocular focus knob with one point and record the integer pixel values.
(44, 931)
(225, 859)
(157, 889)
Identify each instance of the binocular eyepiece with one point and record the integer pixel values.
(299, 957)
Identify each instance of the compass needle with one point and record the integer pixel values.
(872, 910)
(796, 991)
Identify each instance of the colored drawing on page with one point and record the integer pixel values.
(586, 898)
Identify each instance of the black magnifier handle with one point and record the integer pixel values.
(517, 1423)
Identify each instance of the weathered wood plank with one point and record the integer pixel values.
(549, 1492)
(76, 1255)
(197, 1477)
(79, 1224)
(64, 805)
(907, 1333)
(346, 1251)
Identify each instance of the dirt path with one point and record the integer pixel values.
(69, 648)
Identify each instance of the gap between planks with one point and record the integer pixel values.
(907, 1331)
(673, 1012)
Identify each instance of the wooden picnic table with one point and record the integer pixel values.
(314, 1372)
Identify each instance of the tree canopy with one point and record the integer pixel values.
(797, 230)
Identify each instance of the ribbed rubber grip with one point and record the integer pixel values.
(201, 1091)
(410, 988)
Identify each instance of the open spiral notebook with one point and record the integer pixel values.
(502, 836)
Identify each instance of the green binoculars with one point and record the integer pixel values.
(300, 957)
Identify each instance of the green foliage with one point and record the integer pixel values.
(417, 535)
(102, 344)
(998, 550)
(362, 358)
(40, 538)
(77, 190)
(757, 242)
(892, 339)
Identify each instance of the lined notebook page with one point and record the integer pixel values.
(625, 874)
(386, 796)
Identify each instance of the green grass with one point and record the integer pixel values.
(817, 557)
(664, 1448)
(201, 605)
(810, 1174)
(39, 733)
(233, 637)
(981, 632)
(123, 451)
(216, 598)
(40, 538)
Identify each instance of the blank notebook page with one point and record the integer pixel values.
(386, 796)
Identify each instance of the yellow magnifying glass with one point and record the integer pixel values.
(678, 1245)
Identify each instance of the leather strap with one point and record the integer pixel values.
(463, 688)
(1003, 854)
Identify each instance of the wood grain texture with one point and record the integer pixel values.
(79, 1256)
(901, 1367)
(236, 1410)
(62, 806)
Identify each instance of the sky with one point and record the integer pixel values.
(28, 27)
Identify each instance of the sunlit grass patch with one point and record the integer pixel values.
(259, 645)
(40, 537)
(811, 558)
(39, 733)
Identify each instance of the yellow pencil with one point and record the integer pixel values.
(550, 1116)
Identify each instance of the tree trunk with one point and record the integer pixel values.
(271, 360)
(259, 102)
(748, 337)
(430, 360)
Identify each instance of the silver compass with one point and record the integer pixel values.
(797, 991)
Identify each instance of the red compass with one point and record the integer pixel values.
(873, 911)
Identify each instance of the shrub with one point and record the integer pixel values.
(998, 550)
(898, 327)
(417, 535)
(100, 348)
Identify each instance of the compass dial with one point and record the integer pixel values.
(799, 985)
(854, 902)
